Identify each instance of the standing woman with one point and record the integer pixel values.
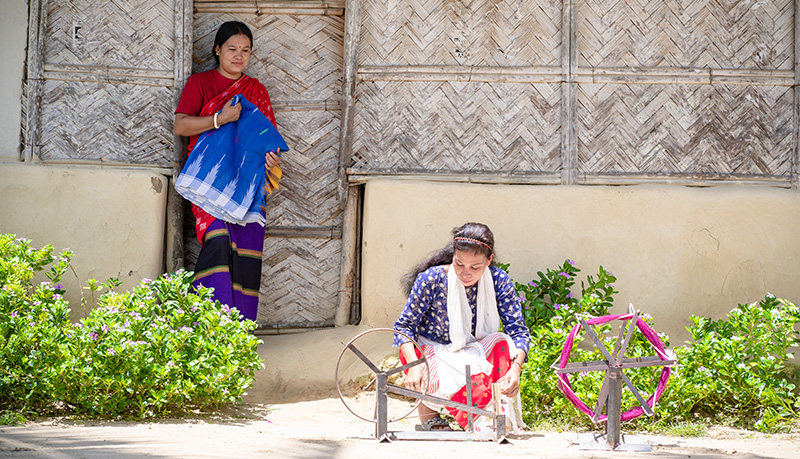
(230, 257)
(454, 310)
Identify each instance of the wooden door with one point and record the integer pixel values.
(298, 57)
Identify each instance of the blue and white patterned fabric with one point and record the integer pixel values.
(425, 313)
(225, 174)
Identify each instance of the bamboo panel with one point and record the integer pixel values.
(295, 57)
(300, 282)
(127, 33)
(686, 33)
(471, 32)
(681, 129)
(307, 195)
(457, 126)
(106, 122)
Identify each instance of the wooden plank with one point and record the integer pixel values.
(360, 176)
(307, 232)
(108, 74)
(665, 75)
(306, 7)
(698, 180)
(491, 74)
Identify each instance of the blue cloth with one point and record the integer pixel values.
(426, 309)
(225, 174)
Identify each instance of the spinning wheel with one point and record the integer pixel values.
(610, 394)
(367, 353)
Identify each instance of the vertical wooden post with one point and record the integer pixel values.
(349, 199)
(37, 20)
(614, 408)
(569, 63)
(173, 240)
(347, 272)
(381, 406)
(795, 178)
(468, 373)
(352, 27)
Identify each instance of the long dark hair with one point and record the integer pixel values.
(469, 237)
(226, 31)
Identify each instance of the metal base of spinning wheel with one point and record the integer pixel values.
(598, 442)
(383, 388)
(382, 433)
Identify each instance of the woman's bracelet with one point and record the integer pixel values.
(216, 126)
(517, 362)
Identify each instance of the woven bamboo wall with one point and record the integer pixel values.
(298, 57)
(588, 92)
(104, 81)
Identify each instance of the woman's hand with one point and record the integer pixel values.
(272, 160)
(415, 374)
(229, 113)
(414, 378)
(188, 126)
(509, 383)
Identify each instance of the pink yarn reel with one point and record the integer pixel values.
(652, 338)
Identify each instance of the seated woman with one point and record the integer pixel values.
(454, 310)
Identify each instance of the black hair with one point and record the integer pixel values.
(226, 31)
(469, 237)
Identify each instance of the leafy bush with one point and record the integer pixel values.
(162, 348)
(733, 372)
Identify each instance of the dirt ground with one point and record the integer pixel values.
(324, 428)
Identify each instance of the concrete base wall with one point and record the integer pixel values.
(113, 219)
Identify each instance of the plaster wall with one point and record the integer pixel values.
(14, 24)
(113, 219)
(676, 251)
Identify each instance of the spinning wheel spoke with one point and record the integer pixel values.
(365, 358)
(405, 367)
(621, 353)
(597, 341)
(642, 401)
(601, 399)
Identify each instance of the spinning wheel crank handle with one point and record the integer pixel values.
(404, 367)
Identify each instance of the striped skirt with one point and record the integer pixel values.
(230, 263)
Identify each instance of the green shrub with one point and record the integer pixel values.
(734, 370)
(162, 348)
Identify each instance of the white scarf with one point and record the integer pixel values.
(460, 314)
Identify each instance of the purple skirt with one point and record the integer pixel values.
(230, 263)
